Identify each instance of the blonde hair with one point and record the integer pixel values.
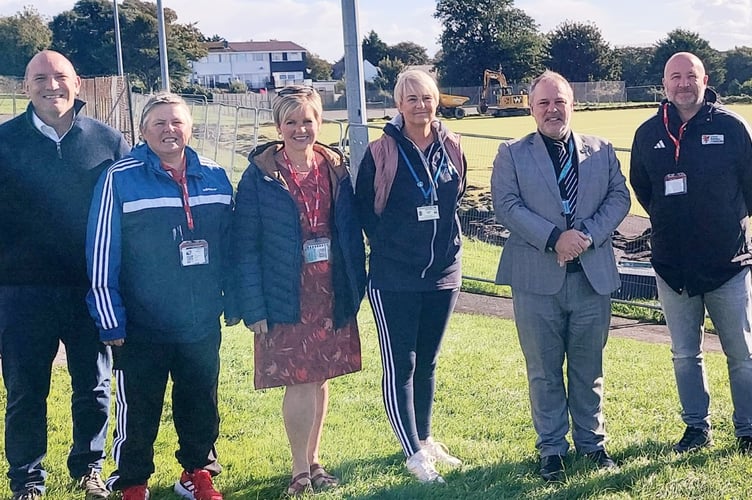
(163, 98)
(293, 97)
(417, 81)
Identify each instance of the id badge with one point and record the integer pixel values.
(316, 250)
(567, 207)
(194, 253)
(428, 212)
(675, 184)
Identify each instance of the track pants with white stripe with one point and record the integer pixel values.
(411, 326)
(141, 373)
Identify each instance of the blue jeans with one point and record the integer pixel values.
(730, 310)
(33, 321)
(572, 324)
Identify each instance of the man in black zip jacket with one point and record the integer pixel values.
(50, 159)
(691, 169)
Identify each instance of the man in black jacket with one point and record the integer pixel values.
(50, 159)
(691, 169)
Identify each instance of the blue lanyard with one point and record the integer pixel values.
(418, 182)
(568, 165)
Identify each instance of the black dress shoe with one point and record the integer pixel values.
(602, 459)
(552, 467)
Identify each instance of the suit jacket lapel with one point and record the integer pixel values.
(584, 175)
(543, 164)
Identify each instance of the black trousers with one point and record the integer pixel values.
(411, 326)
(33, 322)
(141, 372)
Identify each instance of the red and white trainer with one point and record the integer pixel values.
(197, 485)
(136, 492)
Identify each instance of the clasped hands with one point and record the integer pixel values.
(570, 245)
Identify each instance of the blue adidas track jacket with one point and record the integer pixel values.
(139, 288)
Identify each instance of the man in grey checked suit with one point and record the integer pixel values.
(561, 195)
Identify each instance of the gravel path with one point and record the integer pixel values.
(620, 327)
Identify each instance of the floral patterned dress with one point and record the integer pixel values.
(312, 350)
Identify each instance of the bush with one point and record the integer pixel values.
(238, 87)
(197, 90)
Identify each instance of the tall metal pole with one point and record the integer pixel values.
(118, 46)
(162, 47)
(355, 87)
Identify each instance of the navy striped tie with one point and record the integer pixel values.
(567, 184)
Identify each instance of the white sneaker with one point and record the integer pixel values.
(439, 452)
(420, 464)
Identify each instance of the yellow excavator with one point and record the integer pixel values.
(497, 97)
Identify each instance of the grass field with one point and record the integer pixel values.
(481, 413)
(616, 125)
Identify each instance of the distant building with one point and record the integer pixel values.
(260, 65)
(370, 72)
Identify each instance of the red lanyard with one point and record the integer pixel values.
(311, 215)
(180, 178)
(677, 142)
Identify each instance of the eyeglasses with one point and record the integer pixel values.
(295, 90)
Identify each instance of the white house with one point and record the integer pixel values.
(269, 64)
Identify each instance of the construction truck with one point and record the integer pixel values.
(450, 106)
(497, 97)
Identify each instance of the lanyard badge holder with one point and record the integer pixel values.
(192, 252)
(315, 249)
(429, 211)
(674, 183)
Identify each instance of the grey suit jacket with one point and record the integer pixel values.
(527, 201)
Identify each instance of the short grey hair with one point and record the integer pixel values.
(163, 98)
(553, 76)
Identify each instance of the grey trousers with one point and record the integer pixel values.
(573, 325)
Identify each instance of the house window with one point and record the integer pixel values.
(259, 57)
(294, 56)
(277, 56)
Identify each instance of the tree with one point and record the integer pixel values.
(320, 69)
(390, 69)
(635, 65)
(579, 52)
(374, 49)
(74, 30)
(738, 66)
(486, 34)
(680, 40)
(21, 36)
(409, 53)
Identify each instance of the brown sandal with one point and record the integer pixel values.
(321, 479)
(300, 485)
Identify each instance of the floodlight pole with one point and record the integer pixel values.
(162, 47)
(355, 88)
(118, 46)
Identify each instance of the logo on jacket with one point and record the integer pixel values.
(659, 145)
(209, 189)
(712, 139)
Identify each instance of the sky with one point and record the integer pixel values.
(317, 24)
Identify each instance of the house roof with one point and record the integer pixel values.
(266, 46)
